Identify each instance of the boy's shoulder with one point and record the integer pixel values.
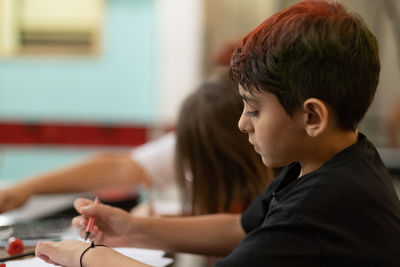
(346, 181)
(358, 158)
(356, 169)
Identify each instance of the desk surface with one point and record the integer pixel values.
(4, 253)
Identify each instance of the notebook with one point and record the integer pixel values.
(45, 217)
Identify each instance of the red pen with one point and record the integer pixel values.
(89, 226)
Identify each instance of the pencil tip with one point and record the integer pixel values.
(87, 235)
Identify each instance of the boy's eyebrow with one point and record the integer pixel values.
(248, 99)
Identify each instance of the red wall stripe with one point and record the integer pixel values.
(71, 133)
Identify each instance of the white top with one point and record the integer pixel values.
(157, 158)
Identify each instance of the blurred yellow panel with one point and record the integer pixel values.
(60, 15)
(8, 26)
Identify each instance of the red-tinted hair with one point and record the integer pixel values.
(312, 49)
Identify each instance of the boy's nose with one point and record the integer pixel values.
(242, 124)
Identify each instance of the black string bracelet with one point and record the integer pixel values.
(86, 249)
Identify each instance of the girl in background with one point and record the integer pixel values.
(214, 161)
(217, 169)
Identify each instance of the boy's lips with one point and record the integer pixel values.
(256, 149)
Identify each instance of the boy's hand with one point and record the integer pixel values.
(112, 226)
(64, 253)
(68, 253)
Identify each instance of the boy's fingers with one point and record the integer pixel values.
(99, 210)
(87, 207)
(81, 202)
(94, 234)
(79, 222)
(98, 237)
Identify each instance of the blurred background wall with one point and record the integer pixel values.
(47, 77)
(77, 76)
(229, 19)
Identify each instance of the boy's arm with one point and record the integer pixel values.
(215, 235)
(283, 246)
(102, 256)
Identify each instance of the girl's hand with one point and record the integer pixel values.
(13, 197)
(112, 227)
(65, 253)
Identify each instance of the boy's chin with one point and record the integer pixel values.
(266, 162)
(270, 163)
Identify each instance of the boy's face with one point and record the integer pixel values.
(275, 135)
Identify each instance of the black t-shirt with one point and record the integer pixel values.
(346, 213)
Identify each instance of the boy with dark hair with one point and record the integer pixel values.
(307, 76)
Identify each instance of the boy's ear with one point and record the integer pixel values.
(315, 116)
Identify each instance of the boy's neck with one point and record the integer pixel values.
(325, 147)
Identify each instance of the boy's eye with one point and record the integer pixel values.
(251, 114)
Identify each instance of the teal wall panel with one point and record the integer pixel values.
(22, 162)
(118, 85)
